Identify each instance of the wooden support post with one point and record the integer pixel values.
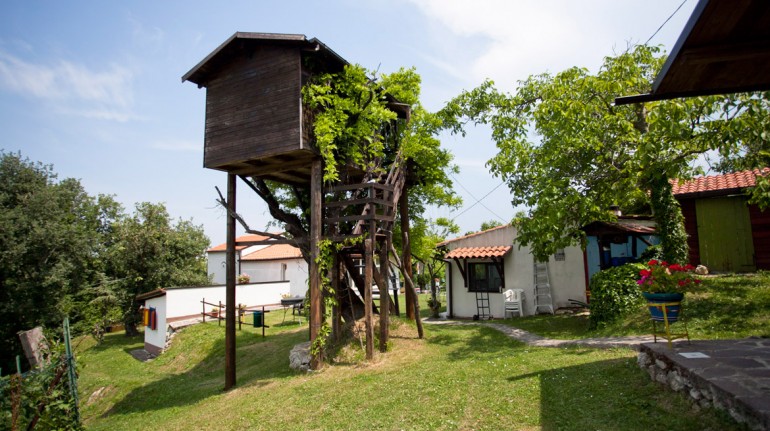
(406, 259)
(336, 314)
(368, 269)
(230, 286)
(316, 302)
(384, 295)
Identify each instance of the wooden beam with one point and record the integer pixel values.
(406, 260)
(384, 295)
(461, 267)
(368, 269)
(316, 301)
(230, 286)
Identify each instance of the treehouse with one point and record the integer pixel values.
(258, 128)
(256, 124)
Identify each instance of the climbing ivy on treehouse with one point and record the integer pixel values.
(350, 111)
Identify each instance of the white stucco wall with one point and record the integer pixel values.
(186, 301)
(271, 270)
(180, 302)
(567, 277)
(156, 338)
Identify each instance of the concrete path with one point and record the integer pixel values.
(632, 342)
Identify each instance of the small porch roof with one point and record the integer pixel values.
(479, 252)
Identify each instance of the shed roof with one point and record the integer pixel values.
(151, 294)
(274, 252)
(718, 185)
(241, 41)
(724, 48)
(479, 252)
(621, 226)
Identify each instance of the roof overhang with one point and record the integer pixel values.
(240, 41)
(724, 48)
(151, 294)
(479, 252)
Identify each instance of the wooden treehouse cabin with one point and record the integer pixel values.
(259, 130)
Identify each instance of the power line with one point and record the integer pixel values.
(478, 201)
(664, 22)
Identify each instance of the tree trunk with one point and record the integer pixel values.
(669, 218)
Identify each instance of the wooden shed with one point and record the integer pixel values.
(255, 121)
(725, 233)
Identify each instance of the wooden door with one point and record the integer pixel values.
(724, 233)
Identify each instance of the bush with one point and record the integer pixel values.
(650, 253)
(614, 292)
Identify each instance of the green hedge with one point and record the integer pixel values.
(614, 292)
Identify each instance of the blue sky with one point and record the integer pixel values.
(94, 88)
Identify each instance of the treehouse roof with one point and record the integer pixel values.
(241, 41)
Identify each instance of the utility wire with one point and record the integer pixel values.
(478, 201)
(664, 22)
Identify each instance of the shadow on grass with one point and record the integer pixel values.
(613, 394)
(469, 342)
(258, 360)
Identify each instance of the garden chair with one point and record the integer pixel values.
(514, 299)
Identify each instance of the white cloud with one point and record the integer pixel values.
(508, 41)
(71, 88)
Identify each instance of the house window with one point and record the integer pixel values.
(283, 272)
(559, 256)
(484, 277)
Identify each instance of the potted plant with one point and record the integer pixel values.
(665, 283)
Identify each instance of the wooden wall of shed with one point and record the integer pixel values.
(253, 107)
(691, 227)
(760, 233)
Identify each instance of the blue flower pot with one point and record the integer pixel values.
(673, 305)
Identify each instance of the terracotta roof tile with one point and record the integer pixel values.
(250, 237)
(274, 252)
(478, 252)
(471, 235)
(727, 182)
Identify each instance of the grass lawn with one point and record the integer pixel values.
(727, 306)
(457, 378)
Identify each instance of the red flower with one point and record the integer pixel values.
(652, 262)
(645, 273)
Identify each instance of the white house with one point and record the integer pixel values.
(176, 304)
(263, 263)
(486, 264)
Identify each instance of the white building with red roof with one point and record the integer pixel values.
(482, 266)
(263, 263)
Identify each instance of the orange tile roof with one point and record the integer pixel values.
(727, 182)
(274, 252)
(471, 235)
(250, 237)
(479, 252)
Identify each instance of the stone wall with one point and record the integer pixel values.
(701, 392)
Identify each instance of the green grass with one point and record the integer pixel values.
(457, 378)
(727, 306)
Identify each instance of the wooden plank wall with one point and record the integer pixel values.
(253, 107)
(760, 233)
(691, 227)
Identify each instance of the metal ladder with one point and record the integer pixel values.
(482, 305)
(543, 300)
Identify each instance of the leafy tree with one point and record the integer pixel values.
(150, 252)
(425, 237)
(51, 234)
(489, 224)
(568, 153)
